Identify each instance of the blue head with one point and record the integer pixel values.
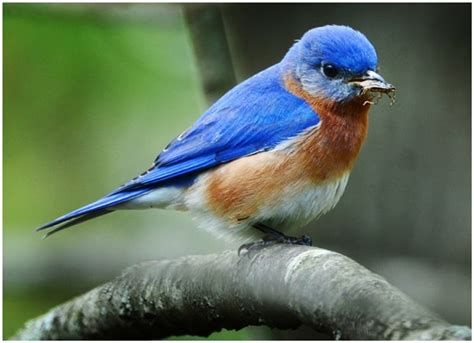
(335, 62)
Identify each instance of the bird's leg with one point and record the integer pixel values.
(273, 236)
(278, 237)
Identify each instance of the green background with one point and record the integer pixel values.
(92, 93)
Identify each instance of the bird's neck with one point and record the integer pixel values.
(356, 107)
(332, 148)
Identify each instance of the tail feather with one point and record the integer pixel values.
(96, 209)
(76, 221)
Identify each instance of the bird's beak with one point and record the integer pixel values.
(372, 82)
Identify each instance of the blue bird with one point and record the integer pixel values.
(274, 152)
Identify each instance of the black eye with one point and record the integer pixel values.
(330, 71)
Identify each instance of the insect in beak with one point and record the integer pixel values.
(374, 84)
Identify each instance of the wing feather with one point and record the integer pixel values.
(255, 116)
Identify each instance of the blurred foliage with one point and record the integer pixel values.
(67, 80)
(90, 98)
(21, 307)
(93, 92)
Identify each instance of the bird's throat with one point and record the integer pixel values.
(355, 107)
(336, 142)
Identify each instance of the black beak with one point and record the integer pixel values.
(372, 82)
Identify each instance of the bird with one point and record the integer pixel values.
(272, 154)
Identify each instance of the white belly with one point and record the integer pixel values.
(293, 207)
(300, 204)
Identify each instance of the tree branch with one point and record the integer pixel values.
(280, 286)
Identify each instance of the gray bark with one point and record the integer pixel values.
(280, 286)
(206, 29)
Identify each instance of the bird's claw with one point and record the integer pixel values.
(255, 246)
(304, 240)
(271, 240)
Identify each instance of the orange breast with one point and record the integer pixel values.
(238, 189)
(330, 150)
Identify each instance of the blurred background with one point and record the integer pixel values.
(92, 92)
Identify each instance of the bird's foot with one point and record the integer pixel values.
(271, 239)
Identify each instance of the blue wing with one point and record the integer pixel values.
(255, 116)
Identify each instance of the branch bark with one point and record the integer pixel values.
(280, 286)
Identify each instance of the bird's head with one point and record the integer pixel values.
(336, 63)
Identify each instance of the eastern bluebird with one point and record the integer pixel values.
(275, 152)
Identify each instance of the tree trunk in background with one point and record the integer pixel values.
(211, 49)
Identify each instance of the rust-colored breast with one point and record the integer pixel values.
(239, 189)
(330, 150)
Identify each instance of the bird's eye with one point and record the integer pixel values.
(330, 71)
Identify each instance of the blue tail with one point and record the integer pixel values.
(93, 210)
